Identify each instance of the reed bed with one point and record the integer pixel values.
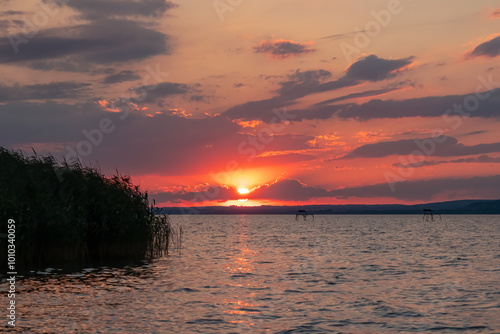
(70, 213)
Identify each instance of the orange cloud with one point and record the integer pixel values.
(117, 106)
(247, 124)
(179, 112)
(370, 136)
(108, 106)
(326, 141)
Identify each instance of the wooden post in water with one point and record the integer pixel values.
(304, 214)
(429, 215)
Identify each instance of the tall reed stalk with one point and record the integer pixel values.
(69, 213)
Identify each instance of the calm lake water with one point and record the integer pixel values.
(272, 274)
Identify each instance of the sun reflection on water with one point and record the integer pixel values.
(241, 267)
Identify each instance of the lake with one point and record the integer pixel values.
(272, 274)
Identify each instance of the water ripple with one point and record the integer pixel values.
(260, 274)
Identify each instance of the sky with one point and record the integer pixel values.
(275, 102)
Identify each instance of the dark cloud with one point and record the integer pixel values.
(4, 25)
(215, 193)
(198, 98)
(162, 90)
(258, 110)
(118, 32)
(440, 146)
(368, 93)
(102, 9)
(473, 133)
(165, 144)
(103, 42)
(373, 68)
(370, 68)
(238, 85)
(48, 122)
(426, 190)
(481, 159)
(312, 76)
(300, 84)
(450, 107)
(67, 64)
(432, 106)
(288, 190)
(122, 76)
(11, 12)
(281, 48)
(489, 49)
(53, 90)
(171, 145)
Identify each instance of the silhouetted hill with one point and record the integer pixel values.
(492, 207)
(450, 207)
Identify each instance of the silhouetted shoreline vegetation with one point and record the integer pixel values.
(69, 213)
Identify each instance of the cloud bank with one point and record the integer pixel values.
(295, 191)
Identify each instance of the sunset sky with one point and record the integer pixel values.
(275, 102)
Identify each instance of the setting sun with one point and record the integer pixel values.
(243, 191)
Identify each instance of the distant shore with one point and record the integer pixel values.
(476, 207)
